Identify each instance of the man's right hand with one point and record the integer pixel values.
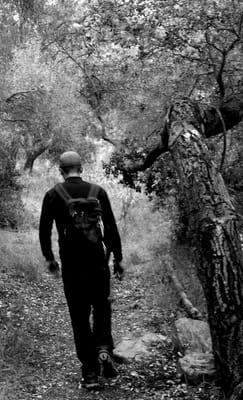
(53, 268)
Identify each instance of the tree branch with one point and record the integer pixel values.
(153, 154)
(225, 139)
(115, 143)
(81, 66)
(232, 114)
(19, 93)
(211, 44)
(148, 161)
(23, 121)
(219, 76)
(229, 115)
(219, 73)
(224, 53)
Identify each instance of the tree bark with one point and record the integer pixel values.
(216, 244)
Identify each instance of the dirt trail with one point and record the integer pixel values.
(49, 369)
(58, 366)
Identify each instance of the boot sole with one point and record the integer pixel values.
(91, 386)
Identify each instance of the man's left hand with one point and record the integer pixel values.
(118, 270)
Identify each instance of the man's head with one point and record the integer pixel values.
(70, 163)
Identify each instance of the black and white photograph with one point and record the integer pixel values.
(121, 200)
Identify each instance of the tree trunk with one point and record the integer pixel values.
(216, 244)
(29, 163)
(31, 156)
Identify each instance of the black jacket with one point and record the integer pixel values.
(54, 209)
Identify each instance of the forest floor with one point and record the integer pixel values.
(38, 358)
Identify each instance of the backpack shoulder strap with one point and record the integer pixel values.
(94, 191)
(62, 192)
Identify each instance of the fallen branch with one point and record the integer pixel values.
(185, 302)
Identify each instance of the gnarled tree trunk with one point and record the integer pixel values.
(216, 242)
(33, 154)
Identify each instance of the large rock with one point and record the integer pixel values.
(193, 336)
(131, 348)
(193, 340)
(197, 367)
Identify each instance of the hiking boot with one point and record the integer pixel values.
(90, 379)
(107, 367)
(118, 359)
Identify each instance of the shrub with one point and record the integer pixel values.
(20, 255)
(11, 208)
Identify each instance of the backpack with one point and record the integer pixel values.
(84, 214)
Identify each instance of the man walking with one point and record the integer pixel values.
(84, 247)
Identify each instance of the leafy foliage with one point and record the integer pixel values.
(43, 107)
(159, 180)
(11, 207)
(133, 58)
(110, 68)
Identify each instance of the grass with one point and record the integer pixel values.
(20, 254)
(19, 269)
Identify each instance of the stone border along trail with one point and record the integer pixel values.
(56, 370)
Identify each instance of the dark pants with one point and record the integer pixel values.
(87, 290)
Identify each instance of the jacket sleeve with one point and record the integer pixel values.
(45, 228)
(112, 237)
